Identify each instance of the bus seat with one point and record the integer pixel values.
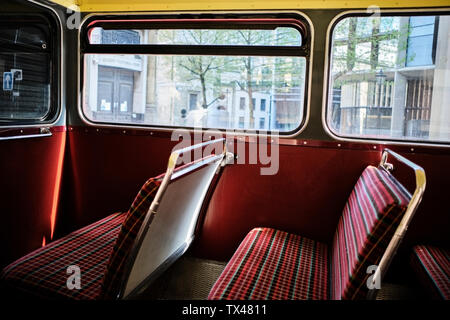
(271, 264)
(432, 267)
(119, 254)
(274, 265)
(44, 272)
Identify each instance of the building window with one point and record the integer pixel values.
(29, 71)
(263, 104)
(262, 123)
(420, 41)
(242, 103)
(253, 106)
(374, 92)
(158, 69)
(193, 101)
(241, 122)
(120, 37)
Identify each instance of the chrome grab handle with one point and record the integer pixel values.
(172, 164)
(176, 154)
(411, 209)
(43, 132)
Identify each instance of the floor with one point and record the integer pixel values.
(192, 278)
(187, 279)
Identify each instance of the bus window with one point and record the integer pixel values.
(387, 78)
(228, 79)
(25, 68)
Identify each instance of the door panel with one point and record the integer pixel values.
(115, 95)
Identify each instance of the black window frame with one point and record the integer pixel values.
(51, 24)
(200, 21)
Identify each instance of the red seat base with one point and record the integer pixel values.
(44, 272)
(272, 264)
(432, 265)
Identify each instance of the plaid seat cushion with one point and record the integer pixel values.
(271, 264)
(370, 218)
(432, 265)
(126, 237)
(44, 272)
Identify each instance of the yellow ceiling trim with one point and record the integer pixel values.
(72, 4)
(191, 5)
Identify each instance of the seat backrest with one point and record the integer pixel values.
(160, 224)
(369, 219)
(126, 237)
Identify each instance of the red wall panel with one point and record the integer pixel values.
(105, 171)
(306, 196)
(30, 172)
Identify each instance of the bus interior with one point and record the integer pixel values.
(225, 150)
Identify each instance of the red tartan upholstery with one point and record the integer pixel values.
(43, 272)
(99, 249)
(432, 265)
(371, 216)
(271, 264)
(127, 235)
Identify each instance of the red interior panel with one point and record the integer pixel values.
(108, 166)
(105, 172)
(31, 171)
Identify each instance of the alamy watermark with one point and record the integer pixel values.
(262, 149)
(73, 17)
(74, 279)
(374, 281)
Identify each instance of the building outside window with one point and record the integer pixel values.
(263, 105)
(386, 78)
(242, 103)
(197, 90)
(262, 123)
(241, 122)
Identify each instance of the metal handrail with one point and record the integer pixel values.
(171, 168)
(43, 132)
(411, 209)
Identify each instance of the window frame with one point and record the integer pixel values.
(211, 19)
(327, 87)
(50, 20)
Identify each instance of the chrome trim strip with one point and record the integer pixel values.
(326, 83)
(44, 132)
(209, 130)
(399, 234)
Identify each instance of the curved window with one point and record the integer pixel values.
(27, 71)
(389, 78)
(220, 74)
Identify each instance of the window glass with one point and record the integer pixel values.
(197, 90)
(25, 73)
(278, 36)
(263, 104)
(158, 90)
(389, 78)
